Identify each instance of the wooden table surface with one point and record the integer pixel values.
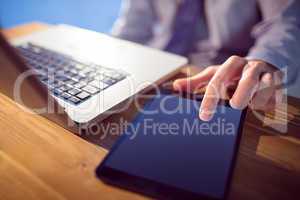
(40, 160)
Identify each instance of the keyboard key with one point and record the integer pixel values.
(66, 95)
(57, 92)
(65, 88)
(109, 81)
(77, 78)
(74, 71)
(69, 74)
(61, 78)
(83, 95)
(95, 83)
(99, 84)
(87, 79)
(118, 76)
(50, 87)
(60, 72)
(74, 91)
(74, 100)
(51, 70)
(61, 63)
(70, 82)
(87, 70)
(80, 85)
(90, 89)
(78, 66)
(57, 84)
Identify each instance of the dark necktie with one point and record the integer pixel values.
(184, 30)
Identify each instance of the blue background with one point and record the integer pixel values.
(97, 15)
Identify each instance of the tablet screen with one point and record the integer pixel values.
(168, 145)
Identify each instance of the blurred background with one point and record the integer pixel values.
(97, 15)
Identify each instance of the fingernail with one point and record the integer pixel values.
(176, 86)
(233, 105)
(205, 115)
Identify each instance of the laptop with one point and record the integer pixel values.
(76, 77)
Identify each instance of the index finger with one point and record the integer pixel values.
(216, 86)
(210, 101)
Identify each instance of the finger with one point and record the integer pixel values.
(247, 86)
(195, 82)
(210, 101)
(216, 86)
(265, 92)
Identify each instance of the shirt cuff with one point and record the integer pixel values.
(278, 61)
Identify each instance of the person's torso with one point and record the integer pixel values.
(209, 31)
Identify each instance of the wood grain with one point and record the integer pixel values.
(40, 160)
(24, 29)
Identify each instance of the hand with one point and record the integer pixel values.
(256, 83)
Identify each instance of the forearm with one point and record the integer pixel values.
(278, 41)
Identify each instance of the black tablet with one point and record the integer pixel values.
(169, 153)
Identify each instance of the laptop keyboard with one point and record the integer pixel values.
(66, 78)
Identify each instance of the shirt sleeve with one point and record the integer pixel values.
(135, 22)
(278, 36)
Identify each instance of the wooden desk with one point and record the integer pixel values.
(40, 160)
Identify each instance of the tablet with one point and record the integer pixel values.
(169, 153)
